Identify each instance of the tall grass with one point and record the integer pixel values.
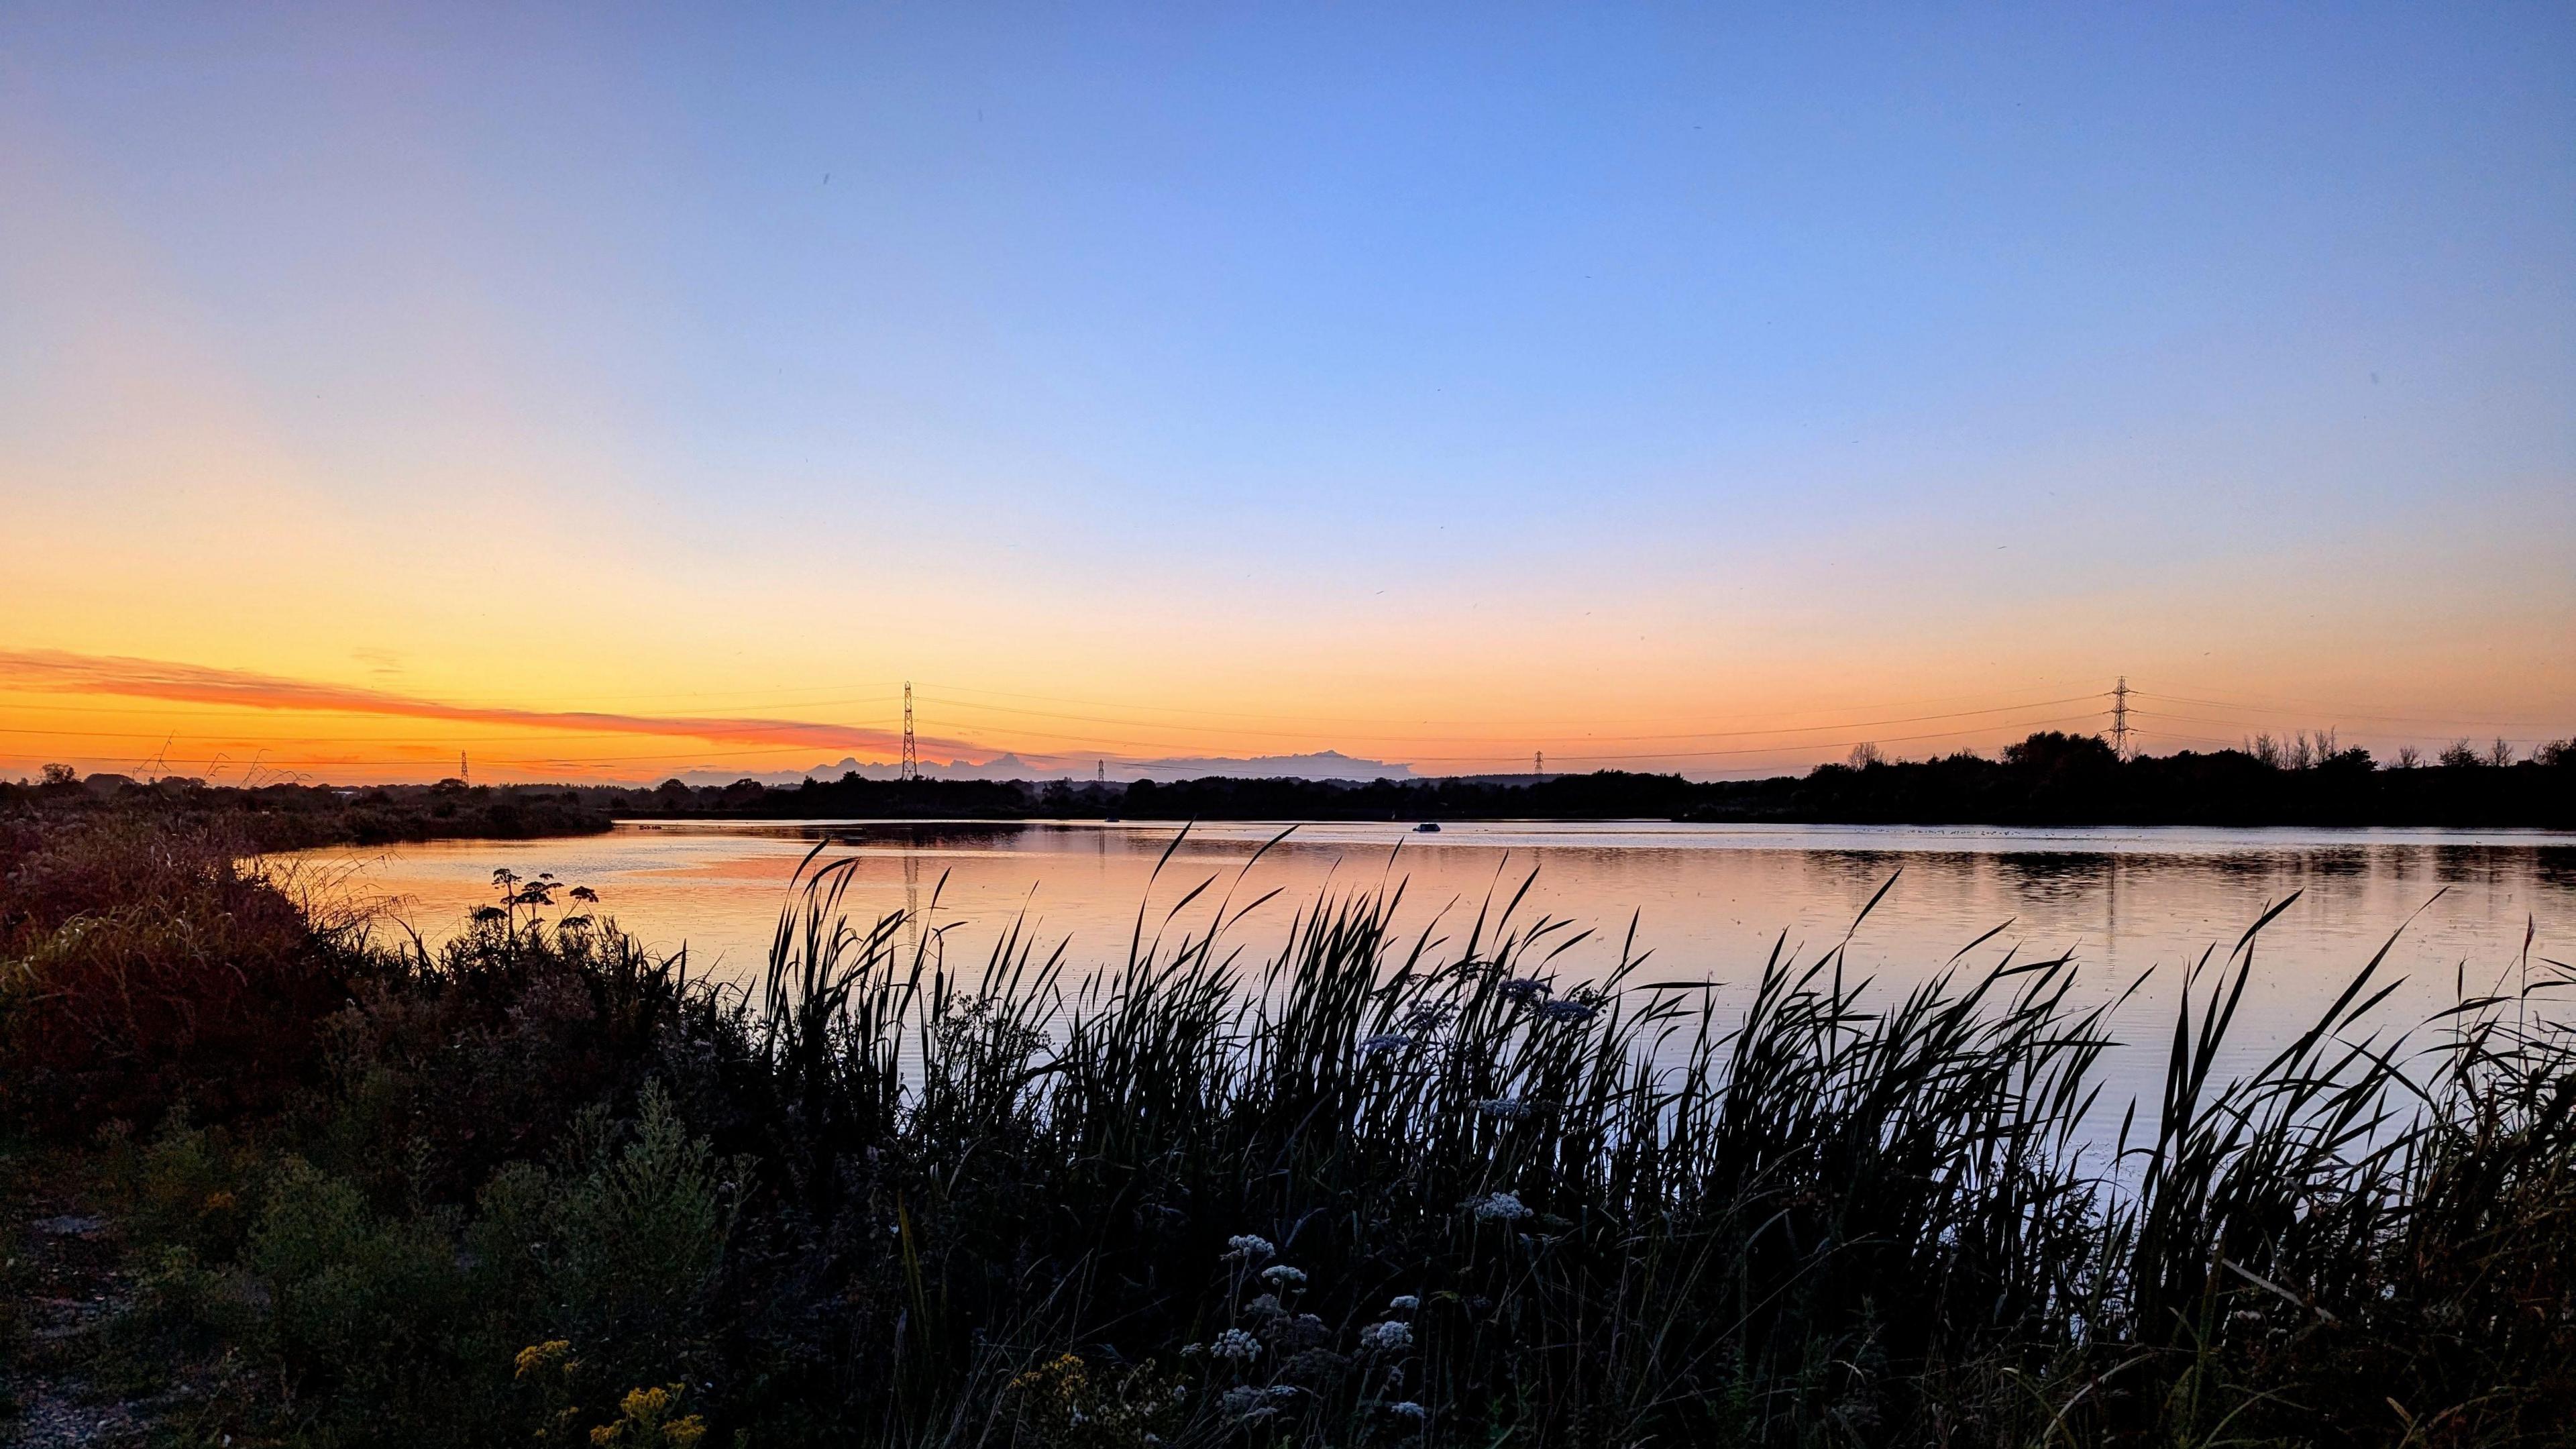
(1375, 1187)
(1831, 1219)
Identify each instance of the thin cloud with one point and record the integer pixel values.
(62, 672)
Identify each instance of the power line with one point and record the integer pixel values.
(2246, 725)
(1762, 732)
(2290, 707)
(2120, 718)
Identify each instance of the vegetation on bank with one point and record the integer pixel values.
(2048, 779)
(539, 1186)
(298, 816)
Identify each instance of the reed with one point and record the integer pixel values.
(1627, 1221)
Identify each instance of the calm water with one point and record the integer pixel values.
(1708, 900)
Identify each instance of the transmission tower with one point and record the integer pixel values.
(911, 758)
(2120, 718)
(1538, 762)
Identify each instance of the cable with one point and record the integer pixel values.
(2295, 707)
(1543, 735)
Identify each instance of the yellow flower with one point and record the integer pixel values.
(644, 1422)
(537, 1358)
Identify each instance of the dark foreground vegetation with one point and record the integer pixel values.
(2048, 779)
(536, 1186)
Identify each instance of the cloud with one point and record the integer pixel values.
(68, 673)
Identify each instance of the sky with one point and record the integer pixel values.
(606, 392)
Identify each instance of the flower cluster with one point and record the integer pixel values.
(1247, 1248)
(1385, 1041)
(1501, 1207)
(1280, 1275)
(1504, 1109)
(1392, 1336)
(1247, 1402)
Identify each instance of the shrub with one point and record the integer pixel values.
(148, 969)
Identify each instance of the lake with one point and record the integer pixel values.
(1708, 900)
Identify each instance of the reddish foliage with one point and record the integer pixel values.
(144, 968)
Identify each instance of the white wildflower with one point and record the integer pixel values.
(1408, 1409)
(1386, 1041)
(1280, 1275)
(1502, 1207)
(1504, 1109)
(1388, 1337)
(1429, 1016)
(1248, 1248)
(1403, 1303)
(1236, 1346)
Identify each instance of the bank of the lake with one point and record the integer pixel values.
(289, 1180)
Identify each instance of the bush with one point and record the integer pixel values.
(143, 970)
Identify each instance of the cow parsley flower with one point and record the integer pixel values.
(1235, 1346)
(1568, 1011)
(1408, 1409)
(1502, 1207)
(1386, 1041)
(1280, 1275)
(1388, 1337)
(1403, 1303)
(1249, 1248)
(1504, 1109)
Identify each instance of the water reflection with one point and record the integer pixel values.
(1709, 900)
